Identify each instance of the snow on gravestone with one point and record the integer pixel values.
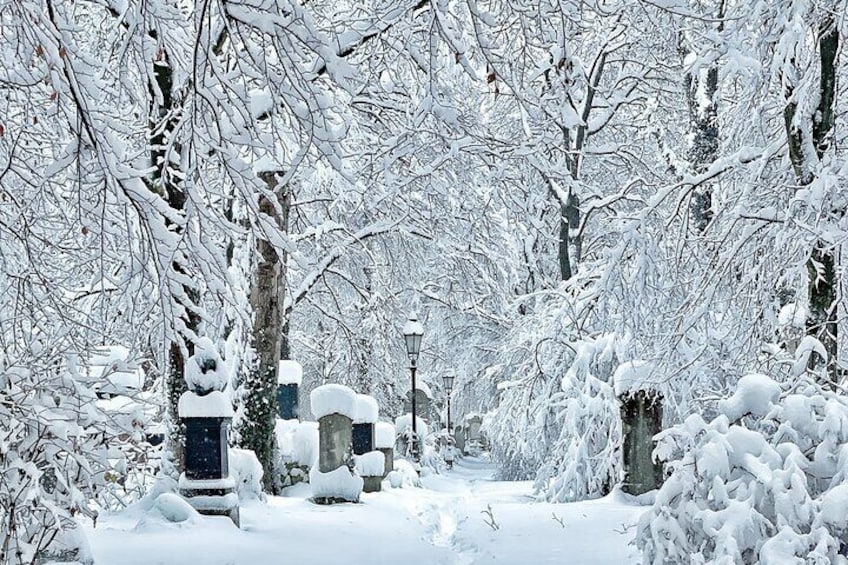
(332, 481)
(384, 442)
(289, 378)
(641, 419)
(370, 467)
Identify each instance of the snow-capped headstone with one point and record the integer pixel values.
(641, 405)
(333, 480)
(206, 411)
(371, 467)
(289, 378)
(384, 442)
(363, 424)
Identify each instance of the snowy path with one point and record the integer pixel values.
(461, 517)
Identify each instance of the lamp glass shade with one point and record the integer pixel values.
(448, 382)
(413, 332)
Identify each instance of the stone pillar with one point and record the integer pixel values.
(641, 419)
(206, 411)
(384, 441)
(334, 481)
(289, 378)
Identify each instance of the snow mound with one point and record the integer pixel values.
(633, 376)
(404, 475)
(367, 410)
(174, 508)
(333, 399)
(792, 315)
(205, 371)
(755, 394)
(246, 472)
(425, 388)
(216, 404)
(371, 464)
(289, 373)
(339, 483)
(384, 435)
(403, 423)
(834, 508)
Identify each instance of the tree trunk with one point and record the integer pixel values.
(821, 265)
(161, 123)
(266, 300)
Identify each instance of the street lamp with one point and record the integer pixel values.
(413, 331)
(448, 382)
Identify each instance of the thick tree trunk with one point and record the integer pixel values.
(821, 266)
(266, 300)
(161, 124)
(641, 419)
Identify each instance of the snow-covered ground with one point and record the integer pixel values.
(460, 517)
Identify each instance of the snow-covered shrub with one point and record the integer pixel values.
(764, 482)
(53, 460)
(296, 453)
(558, 419)
(246, 471)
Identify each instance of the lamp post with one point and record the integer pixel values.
(448, 382)
(413, 332)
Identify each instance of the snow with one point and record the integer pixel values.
(413, 326)
(425, 388)
(808, 345)
(384, 435)
(108, 368)
(755, 394)
(297, 441)
(371, 464)
(402, 423)
(246, 473)
(792, 315)
(445, 521)
(174, 508)
(289, 373)
(338, 483)
(205, 370)
(216, 404)
(367, 410)
(634, 375)
(834, 508)
(333, 399)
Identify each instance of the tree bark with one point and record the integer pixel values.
(266, 299)
(821, 265)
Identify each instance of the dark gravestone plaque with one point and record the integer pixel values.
(206, 448)
(363, 438)
(287, 401)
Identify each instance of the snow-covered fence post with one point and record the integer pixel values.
(335, 479)
(289, 377)
(641, 405)
(206, 413)
(384, 442)
(370, 467)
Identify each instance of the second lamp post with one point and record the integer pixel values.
(413, 332)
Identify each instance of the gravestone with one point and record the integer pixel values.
(459, 438)
(333, 480)
(289, 378)
(641, 402)
(206, 412)
(641, 419)
(384, 441)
